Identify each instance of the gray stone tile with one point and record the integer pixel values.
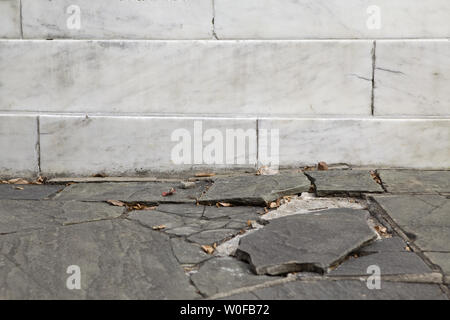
(186, 210)
(210, 237)
(235, 213)
(225, 274)
(23, 215)
(394, 244)
(415, 181)
(29, 192)
(309, 242)
(150, 192)
(424, 218)
(350, 290)
(442, 259)
(188, 253)
(255, 190)
(390, 263)
(343, 181)
(118, 259)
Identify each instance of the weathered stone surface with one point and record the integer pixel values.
(234, 213)
(29, 192)
(225, 274)
(186, 210)
(350, 290)
(442, 259)
(415, 181)
(118, 260)
(24, 215)
(188, 253)
(424, 218)
(310, 242)
(343, 181)
(213, 236)
(255, 190)
(394, 244)
(132, 192)
(390, 263)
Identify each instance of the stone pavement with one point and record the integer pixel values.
(296, 235)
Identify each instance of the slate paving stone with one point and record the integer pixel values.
(424, 218)
(415, 181)
(188, 253)
(343, 182)
(210, 237)
(225, 274)
(442, 259)
(390, 263)
(394, 244)
(349, 290)
(29, 192)
(308, 242)
(185, 210)
(150, 192)
(22, 215)
(235, 213)
(118, 259)
(255, 190)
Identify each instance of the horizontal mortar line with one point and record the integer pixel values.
(221, 116)
(231, 40)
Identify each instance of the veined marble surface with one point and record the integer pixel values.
(187, 77)
(417, 143)
(412, 77)
(10, 19)
(18, 143)
(118, 19)
(310, 19)
(76, 145)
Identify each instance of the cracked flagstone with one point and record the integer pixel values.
(148, 192)
(118, 259)
(415, 181)
(18, 216)
(348, 290)
(255, 190)
(353, 182)
(225, 274)
(425, 219)
(310, 242)
(28, 191)
(442, 259)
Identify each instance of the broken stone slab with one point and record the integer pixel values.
(210, 237)
(234, 213)
(390, 263)
(394, 244)
(310, 242)
(147, 192)
(255, 190)
(415, 181)
(349, 290)
(225, 274)
(188, 253)
(424, 219)
(117, 259)
(441, 259)
(28, 191)
(185, 210)
(352, 182)
(23, 215)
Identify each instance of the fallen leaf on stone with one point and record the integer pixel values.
(375, 177)
(223, 204)
(275, 204)
(139, 206)
(18, 188)
(205, 174)
(381, 230)
(208, 249)
(322, 166)
(407, 248)
(18, 181)
(116, 203)
(266, 210)
(168, 193)
(40, 180)
(160, 227)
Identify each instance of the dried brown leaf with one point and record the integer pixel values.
(208, 249)
(116, 203)
(160, 227)
(205, 174)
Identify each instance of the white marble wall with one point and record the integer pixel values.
(18, 145)
(412, 77)
(187, 77)
(118, 19)
(313, 19)
(76, 145)
(417, 143)
(10, 19)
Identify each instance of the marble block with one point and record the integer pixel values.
(187, 77)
